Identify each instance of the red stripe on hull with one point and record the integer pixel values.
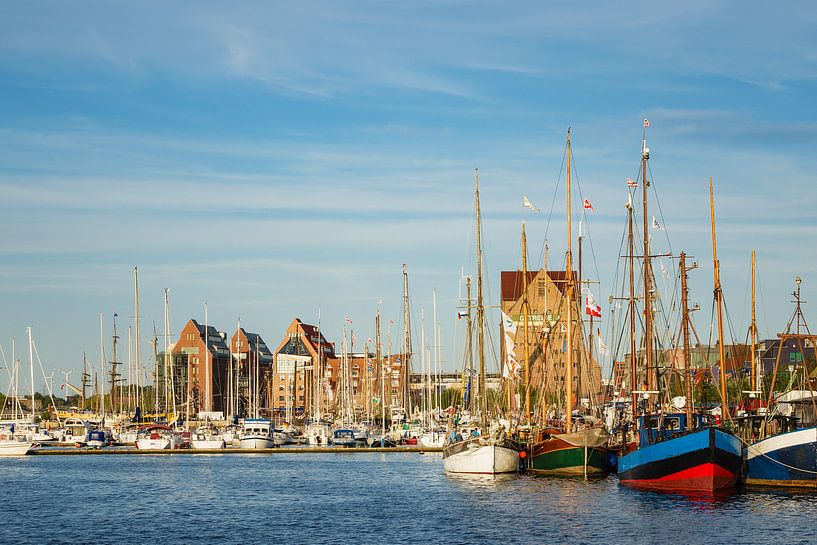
(707, 477)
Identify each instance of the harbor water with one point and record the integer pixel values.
(362, 498)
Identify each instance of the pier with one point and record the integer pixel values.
(305, 450)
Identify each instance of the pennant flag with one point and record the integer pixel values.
(527, 204)
(603, 350)
(508, 325)
(656, 225)
(588, 206)
(348, 320)
(461, 315)
(591, 308)
(370, 340)
(647, 123)
(631, 183)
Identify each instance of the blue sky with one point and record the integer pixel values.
(271, 158)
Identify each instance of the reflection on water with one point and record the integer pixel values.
(363, 498)
(480, 482)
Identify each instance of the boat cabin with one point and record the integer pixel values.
(654, 428)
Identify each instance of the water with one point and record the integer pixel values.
(361, 498)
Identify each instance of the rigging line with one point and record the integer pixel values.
(586, 224)
(762, 297)
(552, 205)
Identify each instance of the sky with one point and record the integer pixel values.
(273, 159)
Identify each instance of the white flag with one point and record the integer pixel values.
(656, 225)
(603, 350)
(508, 325)
(527, 204)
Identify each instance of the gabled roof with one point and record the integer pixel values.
(258, 345)
(211, 335)
(314, 337)
(511, 282)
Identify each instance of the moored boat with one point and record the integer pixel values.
(579, 453)
(157, 437)
(482, 456)
(343, 438)
(257, 433)
(670, 457)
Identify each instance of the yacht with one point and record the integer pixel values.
(158, 437)
(257, 434)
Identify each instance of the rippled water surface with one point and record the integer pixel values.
(361, 498)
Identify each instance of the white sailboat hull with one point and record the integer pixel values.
(259, 442)
(483, 459)
(203, 444)
(162, 443)
(12, 447)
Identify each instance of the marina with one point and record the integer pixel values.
(438, 272)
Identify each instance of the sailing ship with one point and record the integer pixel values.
(574, 446)
(675, 451)
(782, 440)
(489, 450)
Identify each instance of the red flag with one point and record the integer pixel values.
(348, 320)
(647, 123)
(588, 206)
(591, 308)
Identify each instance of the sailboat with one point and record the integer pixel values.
(488, 451)
(574, 447)
(676, 451)
(783, 438)
(13, 442)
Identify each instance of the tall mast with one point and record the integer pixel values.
(470, 334)
(753, 330)
(85, 377)
(208, 373)
(407, 345)
(525, 321)
(168, 393)
(569, 298)
(434, 351)
(114, 373)
(685, 330)
(137, 346)
(719, 302)
(102, 367)
(651, 373)
(483, 399)
(31, 367)
(379, 358)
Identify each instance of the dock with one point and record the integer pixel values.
(304, 450)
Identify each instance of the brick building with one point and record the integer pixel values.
(546, 318)
(252, 372)
(200, 359)
(303, 352)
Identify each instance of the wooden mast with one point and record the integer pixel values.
(719, 302)
(685, 330)
(569, 298)
(631, 259)
(525, 311)
(407, 346)
(470, 347)
(753, 331)
(480, 315)
(648, 318)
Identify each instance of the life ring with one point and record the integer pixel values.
(3, 437)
